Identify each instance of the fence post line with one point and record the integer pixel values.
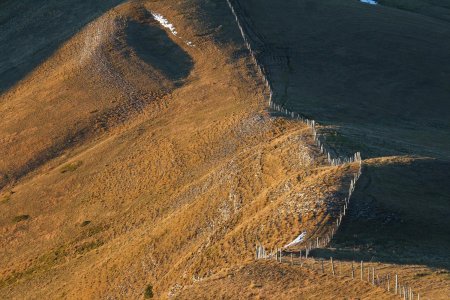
(389, 282)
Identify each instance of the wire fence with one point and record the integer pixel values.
(385, 280)
(363, 271)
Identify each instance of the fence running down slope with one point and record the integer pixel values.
(320, 242)
(333, 161)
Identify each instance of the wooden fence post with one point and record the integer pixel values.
(301, 261)
(332, 265)
(389, 283)
(373, 276)
(396, 284)
(362, 269)
(353, 271)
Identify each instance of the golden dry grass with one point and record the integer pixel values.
(132, 176)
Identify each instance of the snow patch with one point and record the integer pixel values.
(166, 24)
(372, 2)
(299, 239)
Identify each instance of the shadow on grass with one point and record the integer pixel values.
(400, 213)
(153, 45)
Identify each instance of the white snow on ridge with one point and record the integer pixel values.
(299, 239)
(166, 24)
(373, 2)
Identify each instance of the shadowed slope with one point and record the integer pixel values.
(376, 70)
(401, 213)
(436, 9)
(35, 29)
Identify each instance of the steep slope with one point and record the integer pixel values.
(170, 189)
(137, 157)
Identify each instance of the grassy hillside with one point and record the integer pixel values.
(99, 78)
(186, 174)
(136, 160)
(269, 280)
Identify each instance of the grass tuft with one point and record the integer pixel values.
(85, 223)
(21, 218)
(148, 293)
(5, 199)
(71, 167)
